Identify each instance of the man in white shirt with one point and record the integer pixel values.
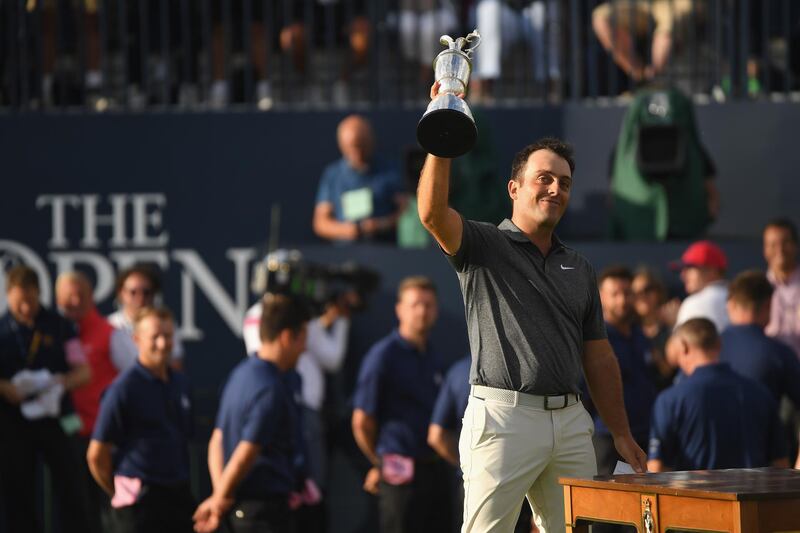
(780, 252)
(136, 289)
(702, 267)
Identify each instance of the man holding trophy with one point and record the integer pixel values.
(534, 319)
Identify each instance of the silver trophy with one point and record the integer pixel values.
(447, 129)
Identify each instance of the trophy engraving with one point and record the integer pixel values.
(447, 129)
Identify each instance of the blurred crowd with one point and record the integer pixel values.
(216, 53)
(710, 381)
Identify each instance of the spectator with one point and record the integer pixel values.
(253, 445)
(780, 252)
(359, 197)
(40, 359)
(656, 317)
(631, 348)
(714, 418)
(537, 23)
(393, 401)
(745, 346)
(421, 24)
(620, 24)
(749, 351)
(106, 353)
(702, 268)
(445, 427)
(137, 288)
(326, 347)
(139, 452)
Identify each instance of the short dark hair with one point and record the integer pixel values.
(699, 332)
(146, 270)
(557, 146)
(653, 282)
(615, 272)
(22, 276)
(415, 282)
(783, 223)
(280, 312)
(751, 289)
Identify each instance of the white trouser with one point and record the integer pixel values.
(501, 26)
(509, 452)
(420, 32)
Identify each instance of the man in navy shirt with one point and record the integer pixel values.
(396, 390)
(714, 418)
(632, 349)
(255, 440)
(745, 346)
(359, 197)
(139, 449)
(40, 359)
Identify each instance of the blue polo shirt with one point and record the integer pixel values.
(258, 406)
(149, 421)
(451, 403)
(638, 390)
(39, 347)
(751, 353)
(382, 179)
(397, 385)
(714, 419)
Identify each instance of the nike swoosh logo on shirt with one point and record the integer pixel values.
(567, 268)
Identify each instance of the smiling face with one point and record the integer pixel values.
(540, 195)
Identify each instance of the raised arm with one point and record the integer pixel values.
(605, 385)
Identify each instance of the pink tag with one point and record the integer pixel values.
(75, 353)
(397, 469)
(311, 493)
(126, 491)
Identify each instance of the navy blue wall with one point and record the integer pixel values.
(193, 191)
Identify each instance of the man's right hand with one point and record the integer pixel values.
(208, 515)
(372, 481)
(435, 91)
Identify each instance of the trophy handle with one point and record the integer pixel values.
(472, 37)
(447, 41)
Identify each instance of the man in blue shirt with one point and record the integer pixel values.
(632, 349)
(714, 418)
(139, 452)
(394, 397)
(359, 197)
(40, 359)
(254, 444)
(745, 346)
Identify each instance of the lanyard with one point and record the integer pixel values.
(32, 349)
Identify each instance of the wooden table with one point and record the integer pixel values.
(737, 501)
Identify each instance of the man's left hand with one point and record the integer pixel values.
(631, 452)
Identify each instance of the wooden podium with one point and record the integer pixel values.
(737, 501)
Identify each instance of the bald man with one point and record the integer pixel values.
(359, 197)
(106, 355)
(713, 418)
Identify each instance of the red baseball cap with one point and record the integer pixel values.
(702, 254)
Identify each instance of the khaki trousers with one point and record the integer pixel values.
(509, 452)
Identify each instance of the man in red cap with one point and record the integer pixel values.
(702, 267)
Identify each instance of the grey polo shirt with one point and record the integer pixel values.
(527, 315)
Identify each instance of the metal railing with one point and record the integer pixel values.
(321, 54)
